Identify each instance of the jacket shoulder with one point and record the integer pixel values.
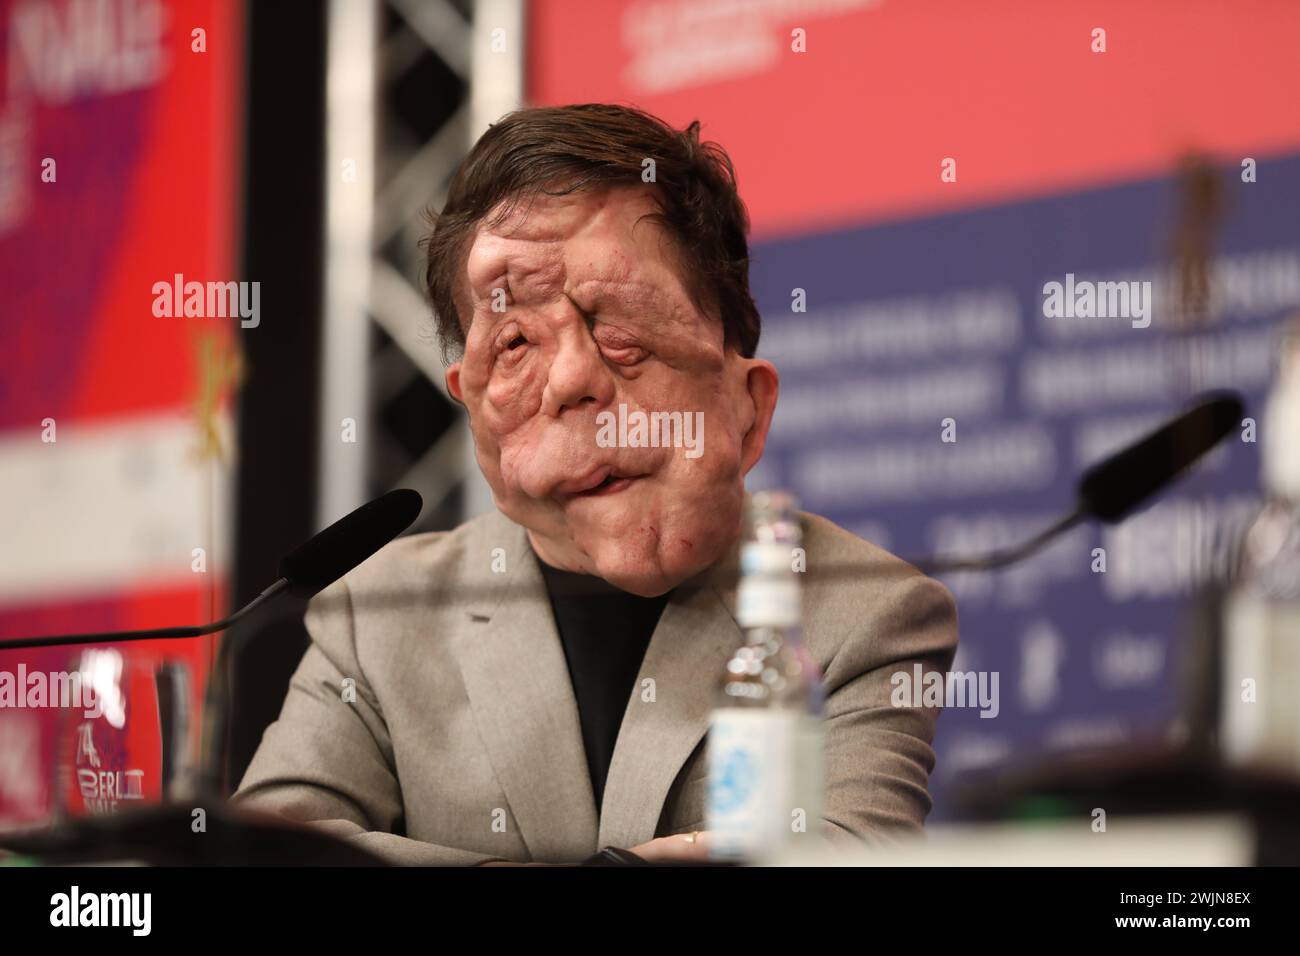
(435, 558)
(836, 554)
(857, 593)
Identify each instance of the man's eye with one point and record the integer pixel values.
(626, 354)
(516, 342)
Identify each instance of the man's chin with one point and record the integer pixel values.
(642, 557)
(645, 580)
(624, 548)
(631, 539)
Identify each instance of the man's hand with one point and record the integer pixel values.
(511, 863)
(678, 848)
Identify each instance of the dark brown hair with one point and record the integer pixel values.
(561, 149)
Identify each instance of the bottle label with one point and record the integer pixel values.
(765, 780)
(768, 595)
(1260, 709)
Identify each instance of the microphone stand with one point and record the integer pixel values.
(164, 834)
(216, 701)
(212, 776)
(117, 637)
(1007, 556)
(324, 558)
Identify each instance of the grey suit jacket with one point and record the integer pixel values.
(460, 740)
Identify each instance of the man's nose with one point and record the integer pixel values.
(577, 374)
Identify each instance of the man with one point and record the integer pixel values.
(536, 684)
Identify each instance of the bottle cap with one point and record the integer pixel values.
(1280, 430)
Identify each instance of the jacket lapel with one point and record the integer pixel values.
(685, 659)
(515, 674)
(514, 671)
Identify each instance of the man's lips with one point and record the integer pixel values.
(603, 480)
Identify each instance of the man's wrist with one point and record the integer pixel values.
(613, 856)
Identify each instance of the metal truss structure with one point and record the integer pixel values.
(410, 85)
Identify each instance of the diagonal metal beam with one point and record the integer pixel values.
(441, 26)
(408, 192)
(400, 310)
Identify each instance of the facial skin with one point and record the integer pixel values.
(596, 314)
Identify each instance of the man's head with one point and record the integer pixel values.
(590, 269)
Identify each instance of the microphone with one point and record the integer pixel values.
(1112, 489)
(338, 549)
(311, 566)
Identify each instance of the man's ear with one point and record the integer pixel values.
(453, 382)
(762, 384)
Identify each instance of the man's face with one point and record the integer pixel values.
(577, 308)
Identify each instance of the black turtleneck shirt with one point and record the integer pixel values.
(605, 633)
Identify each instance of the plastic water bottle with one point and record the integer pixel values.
(1260, 691)
(765, 744)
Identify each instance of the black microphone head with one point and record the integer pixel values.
(1110, 490)
(338, 549)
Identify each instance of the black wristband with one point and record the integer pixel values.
(613, 856)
